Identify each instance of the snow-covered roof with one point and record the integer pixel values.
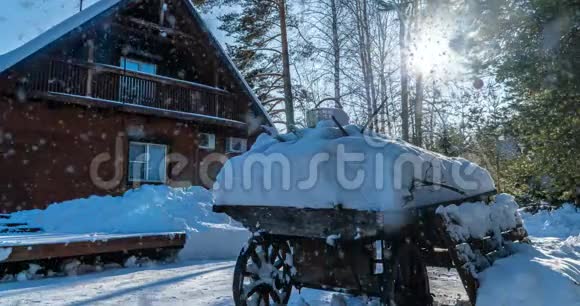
(15, 56)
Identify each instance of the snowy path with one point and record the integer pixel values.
(187, 283)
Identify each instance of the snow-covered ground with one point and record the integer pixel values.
(186, 283)
(149, 209)
(545, 274)
(562, 223)
(209, 283)
(542, 274)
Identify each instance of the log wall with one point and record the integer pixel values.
(47, 148)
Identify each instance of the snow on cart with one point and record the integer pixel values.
(337, 209)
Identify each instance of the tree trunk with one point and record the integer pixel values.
(404, 79)
(371, 77)
(385, 120)
(288, 100)
(419, 111)
(432, 122)
(336, 51)
(383, 95)
(362, 50)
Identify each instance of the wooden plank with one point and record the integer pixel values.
(140, 23)
(21, 230)
(438, 258)
(90, 72)
(345, 268)
(57, 250)
(307, 222)
(489, 244)
(470, 283)
(162, 13)
(138, 109)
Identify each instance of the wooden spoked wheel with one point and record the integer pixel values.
(262, 276)
(410, 279)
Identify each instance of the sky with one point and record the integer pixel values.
(23, 20)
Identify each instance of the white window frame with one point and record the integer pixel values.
(124, 60)
(229, 148)
(211, 141)
(146, 163)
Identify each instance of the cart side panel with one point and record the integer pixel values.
(306, 222)
(322, 266)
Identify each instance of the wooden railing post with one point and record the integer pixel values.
(90, 59)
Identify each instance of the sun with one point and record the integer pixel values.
(430, 54)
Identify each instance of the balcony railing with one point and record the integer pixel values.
(110, 83)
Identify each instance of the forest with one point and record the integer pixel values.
(494, 81)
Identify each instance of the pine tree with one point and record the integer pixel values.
(539, 62)
(261, 49)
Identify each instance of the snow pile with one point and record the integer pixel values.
(5, 253)
(149, 209)
(560, 223)
(542, 275)
(322, 168)
(545, 273)
(478, 219)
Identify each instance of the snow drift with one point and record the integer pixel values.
(321, 167)
(542, 274)
(560, 223)
(148, 209)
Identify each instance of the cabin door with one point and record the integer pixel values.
(135, 90)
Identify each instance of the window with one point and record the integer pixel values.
(207, 141)
(134, 90)
(147, 162)
(236, 145)
(138, 66)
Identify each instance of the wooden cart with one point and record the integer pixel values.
(355, 252)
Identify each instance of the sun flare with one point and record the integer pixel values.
(430, 54)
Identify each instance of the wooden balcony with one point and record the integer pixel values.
(140, 92)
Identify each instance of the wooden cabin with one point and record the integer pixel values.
(124, 93)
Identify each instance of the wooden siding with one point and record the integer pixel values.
(46, 150)
(64, 106)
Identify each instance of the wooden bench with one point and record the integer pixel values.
(31, 247)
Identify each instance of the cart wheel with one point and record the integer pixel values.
(262, 275)
(410, 278)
